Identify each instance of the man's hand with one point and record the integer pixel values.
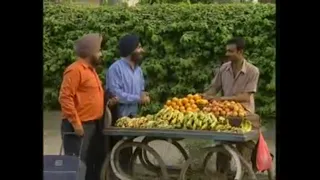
(211, 98)
(145, 92)
(113, 101)
(145, 98)
(79, 130)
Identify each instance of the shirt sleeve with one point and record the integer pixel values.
(142, 81)
(69, 86)
(251, 87)
(114, 87)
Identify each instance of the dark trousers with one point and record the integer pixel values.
(91, 150)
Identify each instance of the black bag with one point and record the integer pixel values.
(63, 167)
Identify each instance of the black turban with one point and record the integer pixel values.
(128, 44)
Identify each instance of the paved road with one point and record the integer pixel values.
(170, 155)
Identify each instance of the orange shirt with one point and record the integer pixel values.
(81, 94)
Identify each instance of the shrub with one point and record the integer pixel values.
(183, 43)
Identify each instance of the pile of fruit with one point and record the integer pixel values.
(190, 120)
(170, 118)
(141, 122)
(191, 103)
(226, 109)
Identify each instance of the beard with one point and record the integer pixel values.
(95, 61)
(137, 57)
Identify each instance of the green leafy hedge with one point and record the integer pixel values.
(183, 44)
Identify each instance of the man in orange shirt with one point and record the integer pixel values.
(82, 103)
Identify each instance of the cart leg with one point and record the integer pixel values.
(241, 160)
(105, 169)
(271, 174)
(124, 144)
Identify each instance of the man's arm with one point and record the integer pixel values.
(69, 86)
(142, 84)
(114, 86)
(250, 88)
(214, 87)
(145, 94)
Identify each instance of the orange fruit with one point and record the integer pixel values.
(229, 113)
(189, 109)
(194, 106)
(196, 97)
(204, 101)
(176, 107)
(189, 96)
(185, 100)
(241, 114)
(179, 103)
(223, 113)
(232, 102)
(198, 101)
(236, 108)
(173, 104)
(206, 109)
(187, 105)
(192, 101)
(227, 109)
(175, 99)
(183, 111)
(235, 114)
(182, 108)
(168, 101)
(239, 105)
(217, 113)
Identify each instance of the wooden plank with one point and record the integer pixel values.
(179, 133)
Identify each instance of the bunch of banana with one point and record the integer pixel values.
(224, 126)
(199, 121)
(246, 126)
(141, 122)
(169, 118)
(122, 122)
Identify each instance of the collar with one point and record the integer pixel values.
(85, 64)
(128, 63)
(243, 68)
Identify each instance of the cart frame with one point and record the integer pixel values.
(225, 141)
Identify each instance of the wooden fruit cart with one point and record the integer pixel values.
(223, 140)
(173, 135)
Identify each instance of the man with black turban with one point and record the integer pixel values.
(125, 81)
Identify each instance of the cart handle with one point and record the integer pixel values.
(74, 134)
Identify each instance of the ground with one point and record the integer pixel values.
(52, 140)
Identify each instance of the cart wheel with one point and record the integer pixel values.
(186, 169)
(149, 165)
(115, 164)
(105, 169)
